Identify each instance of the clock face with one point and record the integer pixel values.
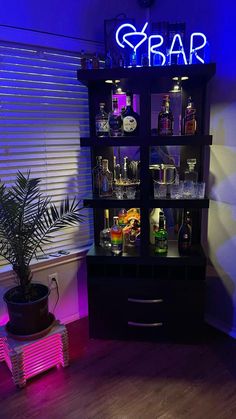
(145, 3)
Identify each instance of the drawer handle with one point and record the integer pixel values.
(159, 324)
(142, 301)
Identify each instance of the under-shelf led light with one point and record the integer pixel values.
(112, 81)
(180, 78)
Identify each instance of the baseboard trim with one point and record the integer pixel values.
(71, 318)
(220, 325)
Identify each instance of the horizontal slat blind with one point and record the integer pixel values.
(44, 111)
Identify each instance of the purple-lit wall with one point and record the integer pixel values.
(85, 19)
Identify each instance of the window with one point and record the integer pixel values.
(44, 111)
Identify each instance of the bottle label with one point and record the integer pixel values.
(115, 125)
(190, 127)
(190, 121)
(165, 126)
(102, 126)
(105, 184)
(161, 243)
(129, 123)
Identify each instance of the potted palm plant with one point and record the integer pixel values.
(27, 222)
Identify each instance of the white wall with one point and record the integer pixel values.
(71, 272)
(85, 19)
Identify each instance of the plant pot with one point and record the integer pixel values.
(28, 318)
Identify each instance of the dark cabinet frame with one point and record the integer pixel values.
(141, 294)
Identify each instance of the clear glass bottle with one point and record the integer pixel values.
(133, 59)
(125, 169)
(101, 120)
(116, 237)
(157, 60)
(116, 170)
(96, 174)
(190, 123)
(105, 180)
(185, 235)
(191, 174)
(115, 121)
(144, 60)
(105, 234)
(108, 60)
(121, 61)
(165, 118)
(161, 236)
(130, 118)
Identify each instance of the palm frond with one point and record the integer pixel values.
(28, 220)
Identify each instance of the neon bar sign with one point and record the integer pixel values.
(127, 35)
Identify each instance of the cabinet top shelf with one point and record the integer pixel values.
(148, 140)
(197, 257)
(195, 71)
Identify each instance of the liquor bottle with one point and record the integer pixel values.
(116, 237)
(144, 60)
(122, 217)
(157, 60)
(108, 60)
(105, 234)
(121, 61)
(133, 59)
(96, 174)
(115, 121)
(125, 169)
(191, 174)
(95, 62)
(83, 60)
(165, 118)
(190, 123)
(101, 120)
(161, 236)
(185, 235)
(130, 118)
(105, 180)
(114, 169)
(154, 223)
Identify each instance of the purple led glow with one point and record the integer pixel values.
(26, 359)
(4, 319)
(121, 98)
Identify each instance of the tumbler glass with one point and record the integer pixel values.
(176, 190)
(160, 190)
(200, 190)
(130, 192)
(188, 189)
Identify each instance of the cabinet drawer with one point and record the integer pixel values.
(147, 289)
(145, 310)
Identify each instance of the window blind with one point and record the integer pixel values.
(44, 111)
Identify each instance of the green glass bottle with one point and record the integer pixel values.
(161, 236)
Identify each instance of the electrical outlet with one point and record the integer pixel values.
(53, 280)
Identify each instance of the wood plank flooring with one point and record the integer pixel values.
(130, 380)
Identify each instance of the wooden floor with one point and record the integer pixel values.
(130, 380)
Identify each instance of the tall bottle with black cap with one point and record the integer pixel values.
(185, 235)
